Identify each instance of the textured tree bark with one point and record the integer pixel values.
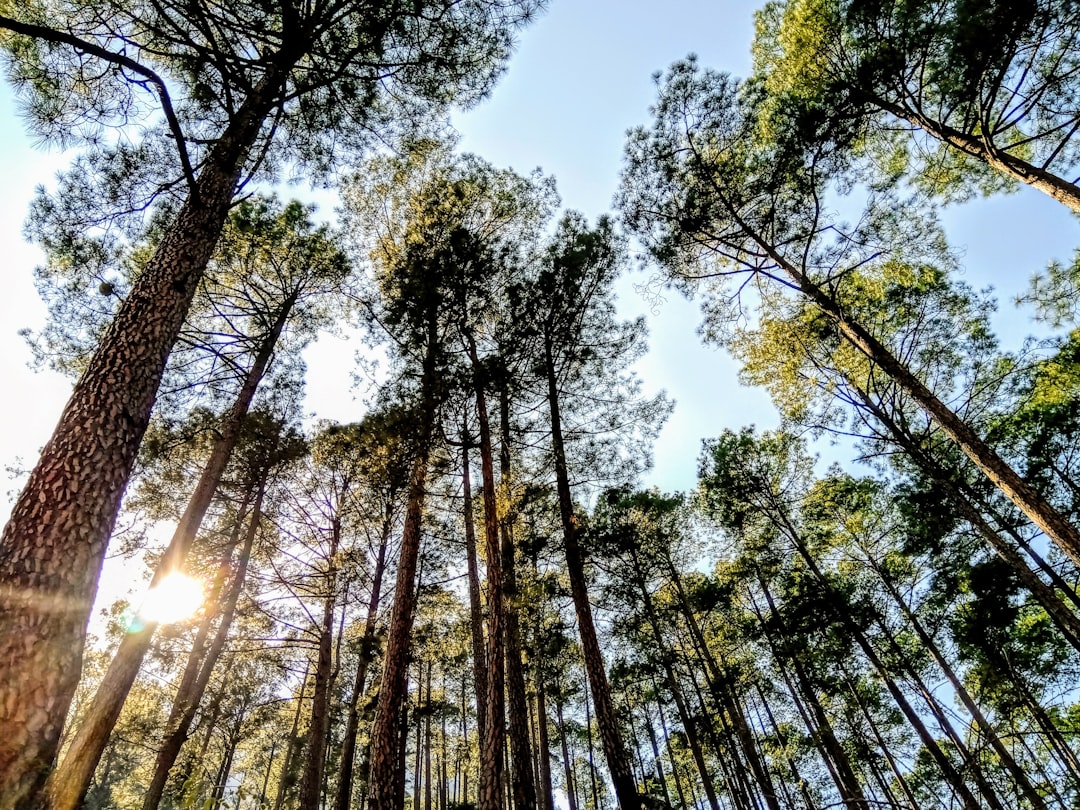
(197, 674)
(68, 784)
(986, 459)
(614, 749)
(343, 799)
(52, 547)
(995, 468)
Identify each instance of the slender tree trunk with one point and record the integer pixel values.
(614, 749)
(568, 764)
(820, 728)
(961, 692)
(948, 770)
(524, 780)
(319, 730)
(343, 800)
(658, 762)
(392, 693)
(53, 545)
(69, 782)
(665, 656)
(547, 792)
(197, 674)
(494, 740)
(476, 613)
(288, 776)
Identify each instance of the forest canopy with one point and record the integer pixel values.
(471, 593)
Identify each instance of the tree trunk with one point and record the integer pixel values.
(524, 779)
(820, 728)
(1053, 185)
(53, 545)
(288, 778)
(476, 613)
(319, 731)
(1066, 620)
(568, 763)
(547, 793)
(614, 749)
(68, 784)
(988, 731)
(343, 800)
(200, 667)
(494, 740)
(383, 779)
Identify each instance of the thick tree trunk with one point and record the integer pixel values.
(52, 547)
(68, 784)
(343, 800)
(197, 674)
(614, 749)
(994, 467)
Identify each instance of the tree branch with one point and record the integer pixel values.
(61, 37)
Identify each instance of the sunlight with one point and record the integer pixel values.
(174, 599)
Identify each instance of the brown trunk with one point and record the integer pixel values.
(476, 613)
(1066, 620)
(524, 779)
(319, 730)
(995, 468)
(665, 655)
(52, 547)
(568, 763)
(383, 780)
(988, 732)
(1055, 186)
(820, 728)
(343, 799)
(547, 792)
(658, 762)
(292, 751)
(947, 769)
(494, 739)
(200, 667)
(68, 784)
(614, 749)
(1000, 474)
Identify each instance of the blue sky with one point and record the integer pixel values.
(581, 77)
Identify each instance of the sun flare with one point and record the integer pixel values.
(174, 599)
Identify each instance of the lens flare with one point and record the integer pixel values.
(174, 599)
